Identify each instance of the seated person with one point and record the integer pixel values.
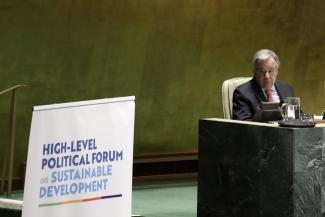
(263, 87)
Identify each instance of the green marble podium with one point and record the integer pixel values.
(249, 169)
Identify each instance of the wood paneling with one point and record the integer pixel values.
(172, 55)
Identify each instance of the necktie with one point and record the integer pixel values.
(269, 95)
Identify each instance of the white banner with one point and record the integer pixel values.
(80, 159)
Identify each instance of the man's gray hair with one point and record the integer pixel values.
(264, 54)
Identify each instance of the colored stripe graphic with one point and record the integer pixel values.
(79, 201)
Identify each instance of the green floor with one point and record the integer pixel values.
(165, 200)
(159, 200)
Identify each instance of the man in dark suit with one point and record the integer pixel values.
(263, 87)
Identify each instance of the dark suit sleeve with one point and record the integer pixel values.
(284, 90)
(241, 107)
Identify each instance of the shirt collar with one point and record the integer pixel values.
(273, 89)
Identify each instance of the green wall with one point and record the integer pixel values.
(171, 54)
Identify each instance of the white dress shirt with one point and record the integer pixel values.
(275, 95)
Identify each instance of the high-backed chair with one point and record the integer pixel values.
(228, 88)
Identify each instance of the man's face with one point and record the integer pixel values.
(265, 72)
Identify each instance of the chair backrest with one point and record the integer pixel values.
(228, 87)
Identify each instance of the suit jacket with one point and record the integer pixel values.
(248, 97)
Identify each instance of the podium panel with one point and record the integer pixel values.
(251, 169)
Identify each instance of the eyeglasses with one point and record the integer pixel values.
(264, 71)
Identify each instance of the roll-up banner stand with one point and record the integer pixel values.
(80, 158)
